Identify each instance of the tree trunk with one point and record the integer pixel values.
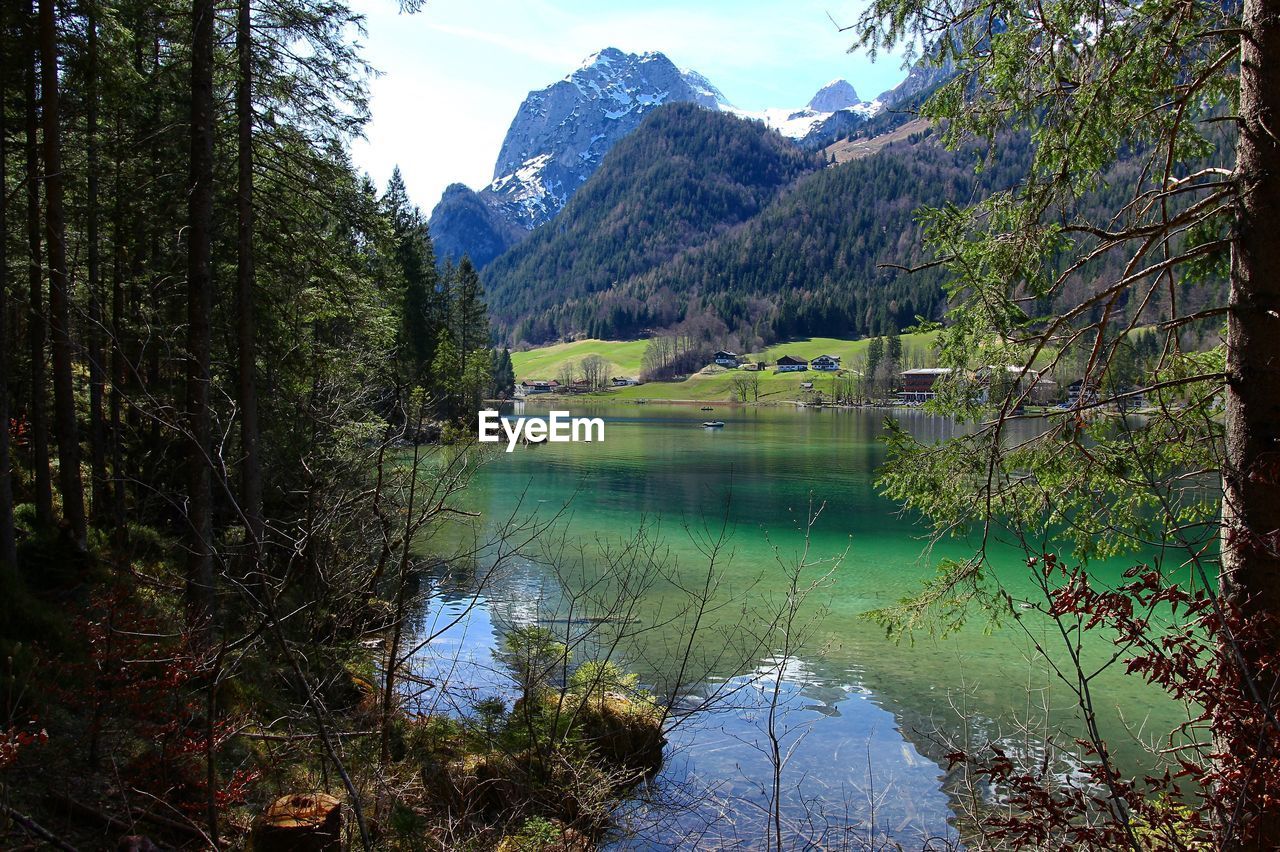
(120, 369)
(64, 404)
(250, 466)
(36, 321)
(199, 585)
(8, 551)
(97, 377)
(200, 581)
(1250, 578)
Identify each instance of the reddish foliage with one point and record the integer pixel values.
(19, 432)
(1219, 784)
(16, 739)
(147, 690)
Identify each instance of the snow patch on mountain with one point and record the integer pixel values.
(838, 96)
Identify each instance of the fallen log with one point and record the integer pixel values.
(37, 829)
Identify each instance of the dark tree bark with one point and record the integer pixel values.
(251, 465)
(8, 550)
(37, 322)
(1250, 576)
(64, 404)
(199, 579)
(97, 376)
(120, 369)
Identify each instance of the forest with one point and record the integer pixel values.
(219, 341)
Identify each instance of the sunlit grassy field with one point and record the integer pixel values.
(624, 358)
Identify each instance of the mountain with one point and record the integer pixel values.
(641, 247)
(834, 109)
(555, 142)
(561, 134)
(836, 95)
(684, 177)
(464, 224)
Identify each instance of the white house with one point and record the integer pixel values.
(728, 360)
(826, 363)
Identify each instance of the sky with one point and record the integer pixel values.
(451, 76)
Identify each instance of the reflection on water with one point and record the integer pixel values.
(863, 718)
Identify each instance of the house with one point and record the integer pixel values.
(529, 387)
(787, 364)
(728, 360)
(1130, 398)
(826, 363)
(1044, 391)
(1028, 385)
(1080, 395)
(917, 384)
(624, 381)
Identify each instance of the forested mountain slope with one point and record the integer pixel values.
(807, 263)
(685, 176)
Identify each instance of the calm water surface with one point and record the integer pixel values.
(866, 721)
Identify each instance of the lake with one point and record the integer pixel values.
(865, 722)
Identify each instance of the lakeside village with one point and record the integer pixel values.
(823, 381)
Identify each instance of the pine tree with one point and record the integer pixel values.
(469, 316)
(503, 374)
(423, 313)
(446, 379)
(875, 355)
(893, 350)
(66, 428)
(37, 320)
(8, 551)
(246, 319)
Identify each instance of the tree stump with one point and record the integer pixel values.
(301, 822)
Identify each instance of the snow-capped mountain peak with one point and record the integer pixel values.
(560, 133)
(836, 101)
(836, 95)
(708, 95)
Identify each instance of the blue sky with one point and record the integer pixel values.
(453, 74)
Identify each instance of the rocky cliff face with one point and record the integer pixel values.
(555, 143)
(836, 95)
(464, 223)
(561, 132)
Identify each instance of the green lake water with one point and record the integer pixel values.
(867, 720)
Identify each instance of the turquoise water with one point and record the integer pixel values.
(865, 721)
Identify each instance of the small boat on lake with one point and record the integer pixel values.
(713, 424)
(707, 408)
